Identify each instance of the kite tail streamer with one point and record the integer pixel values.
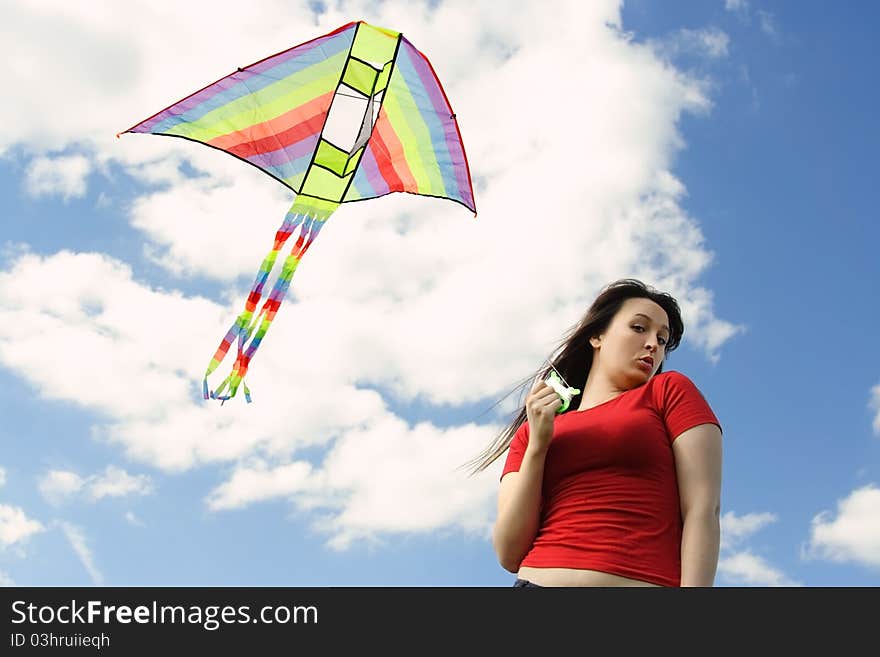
(309, 217)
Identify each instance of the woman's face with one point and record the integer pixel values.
(632, 348)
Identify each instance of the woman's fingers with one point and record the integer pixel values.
(538, 387)
(545, 397)
(541, 389)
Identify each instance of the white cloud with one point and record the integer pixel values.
(110, 78)
(406, 297)
(713, 42)
(710, 42)
(132, 519)
(738, 564)
(149, 374)
(116, 482)
(874, 404)
(92, 306)
(63, 176)
(256, 482)
(745, 568)
(737, 529)
(385, 478)
(15, 526)
(768, 24)
(853, 535)
(766, 20)
(60, 485)
(214, 215)
(6, 580)
(2, 477)
(416, 464)
(77, 539)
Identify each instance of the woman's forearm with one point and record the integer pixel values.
(519, 516)
(700, 543)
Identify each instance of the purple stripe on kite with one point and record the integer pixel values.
(179, 112)
(249, 352)
(242, 83)
(432, 111)
(450, 133)
(291, 170)
(345, 37)
(368, 180)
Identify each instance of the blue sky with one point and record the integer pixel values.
(721, 150)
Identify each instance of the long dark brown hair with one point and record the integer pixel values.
(573, 358)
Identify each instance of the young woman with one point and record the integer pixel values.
(623, 489)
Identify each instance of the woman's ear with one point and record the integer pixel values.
(595, 342)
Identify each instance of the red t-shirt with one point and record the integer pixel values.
(610, 494)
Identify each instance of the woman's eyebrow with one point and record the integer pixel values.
(651, 320)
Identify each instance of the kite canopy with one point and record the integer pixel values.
(353, 115)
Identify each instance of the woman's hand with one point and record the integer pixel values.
(541, 406)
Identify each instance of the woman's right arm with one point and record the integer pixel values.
(519, 494)
(519, 510)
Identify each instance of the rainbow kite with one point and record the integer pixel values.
(353, 115)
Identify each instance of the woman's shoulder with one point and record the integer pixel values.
(671, 382)
(681, 402)
(671, 377)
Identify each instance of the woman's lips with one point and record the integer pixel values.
(645, 365)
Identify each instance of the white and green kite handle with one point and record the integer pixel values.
(562, 389)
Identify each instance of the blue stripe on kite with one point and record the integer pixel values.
(367, 180)
(429, 115)
(457, 167)
(289, 170)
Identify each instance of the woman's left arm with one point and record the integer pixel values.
(698, 470)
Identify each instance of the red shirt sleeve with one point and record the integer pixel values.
(683, 405)
(517, 449)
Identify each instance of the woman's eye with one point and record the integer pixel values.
(662, 341)
(636, 327)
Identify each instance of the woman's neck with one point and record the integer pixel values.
(597, 390)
